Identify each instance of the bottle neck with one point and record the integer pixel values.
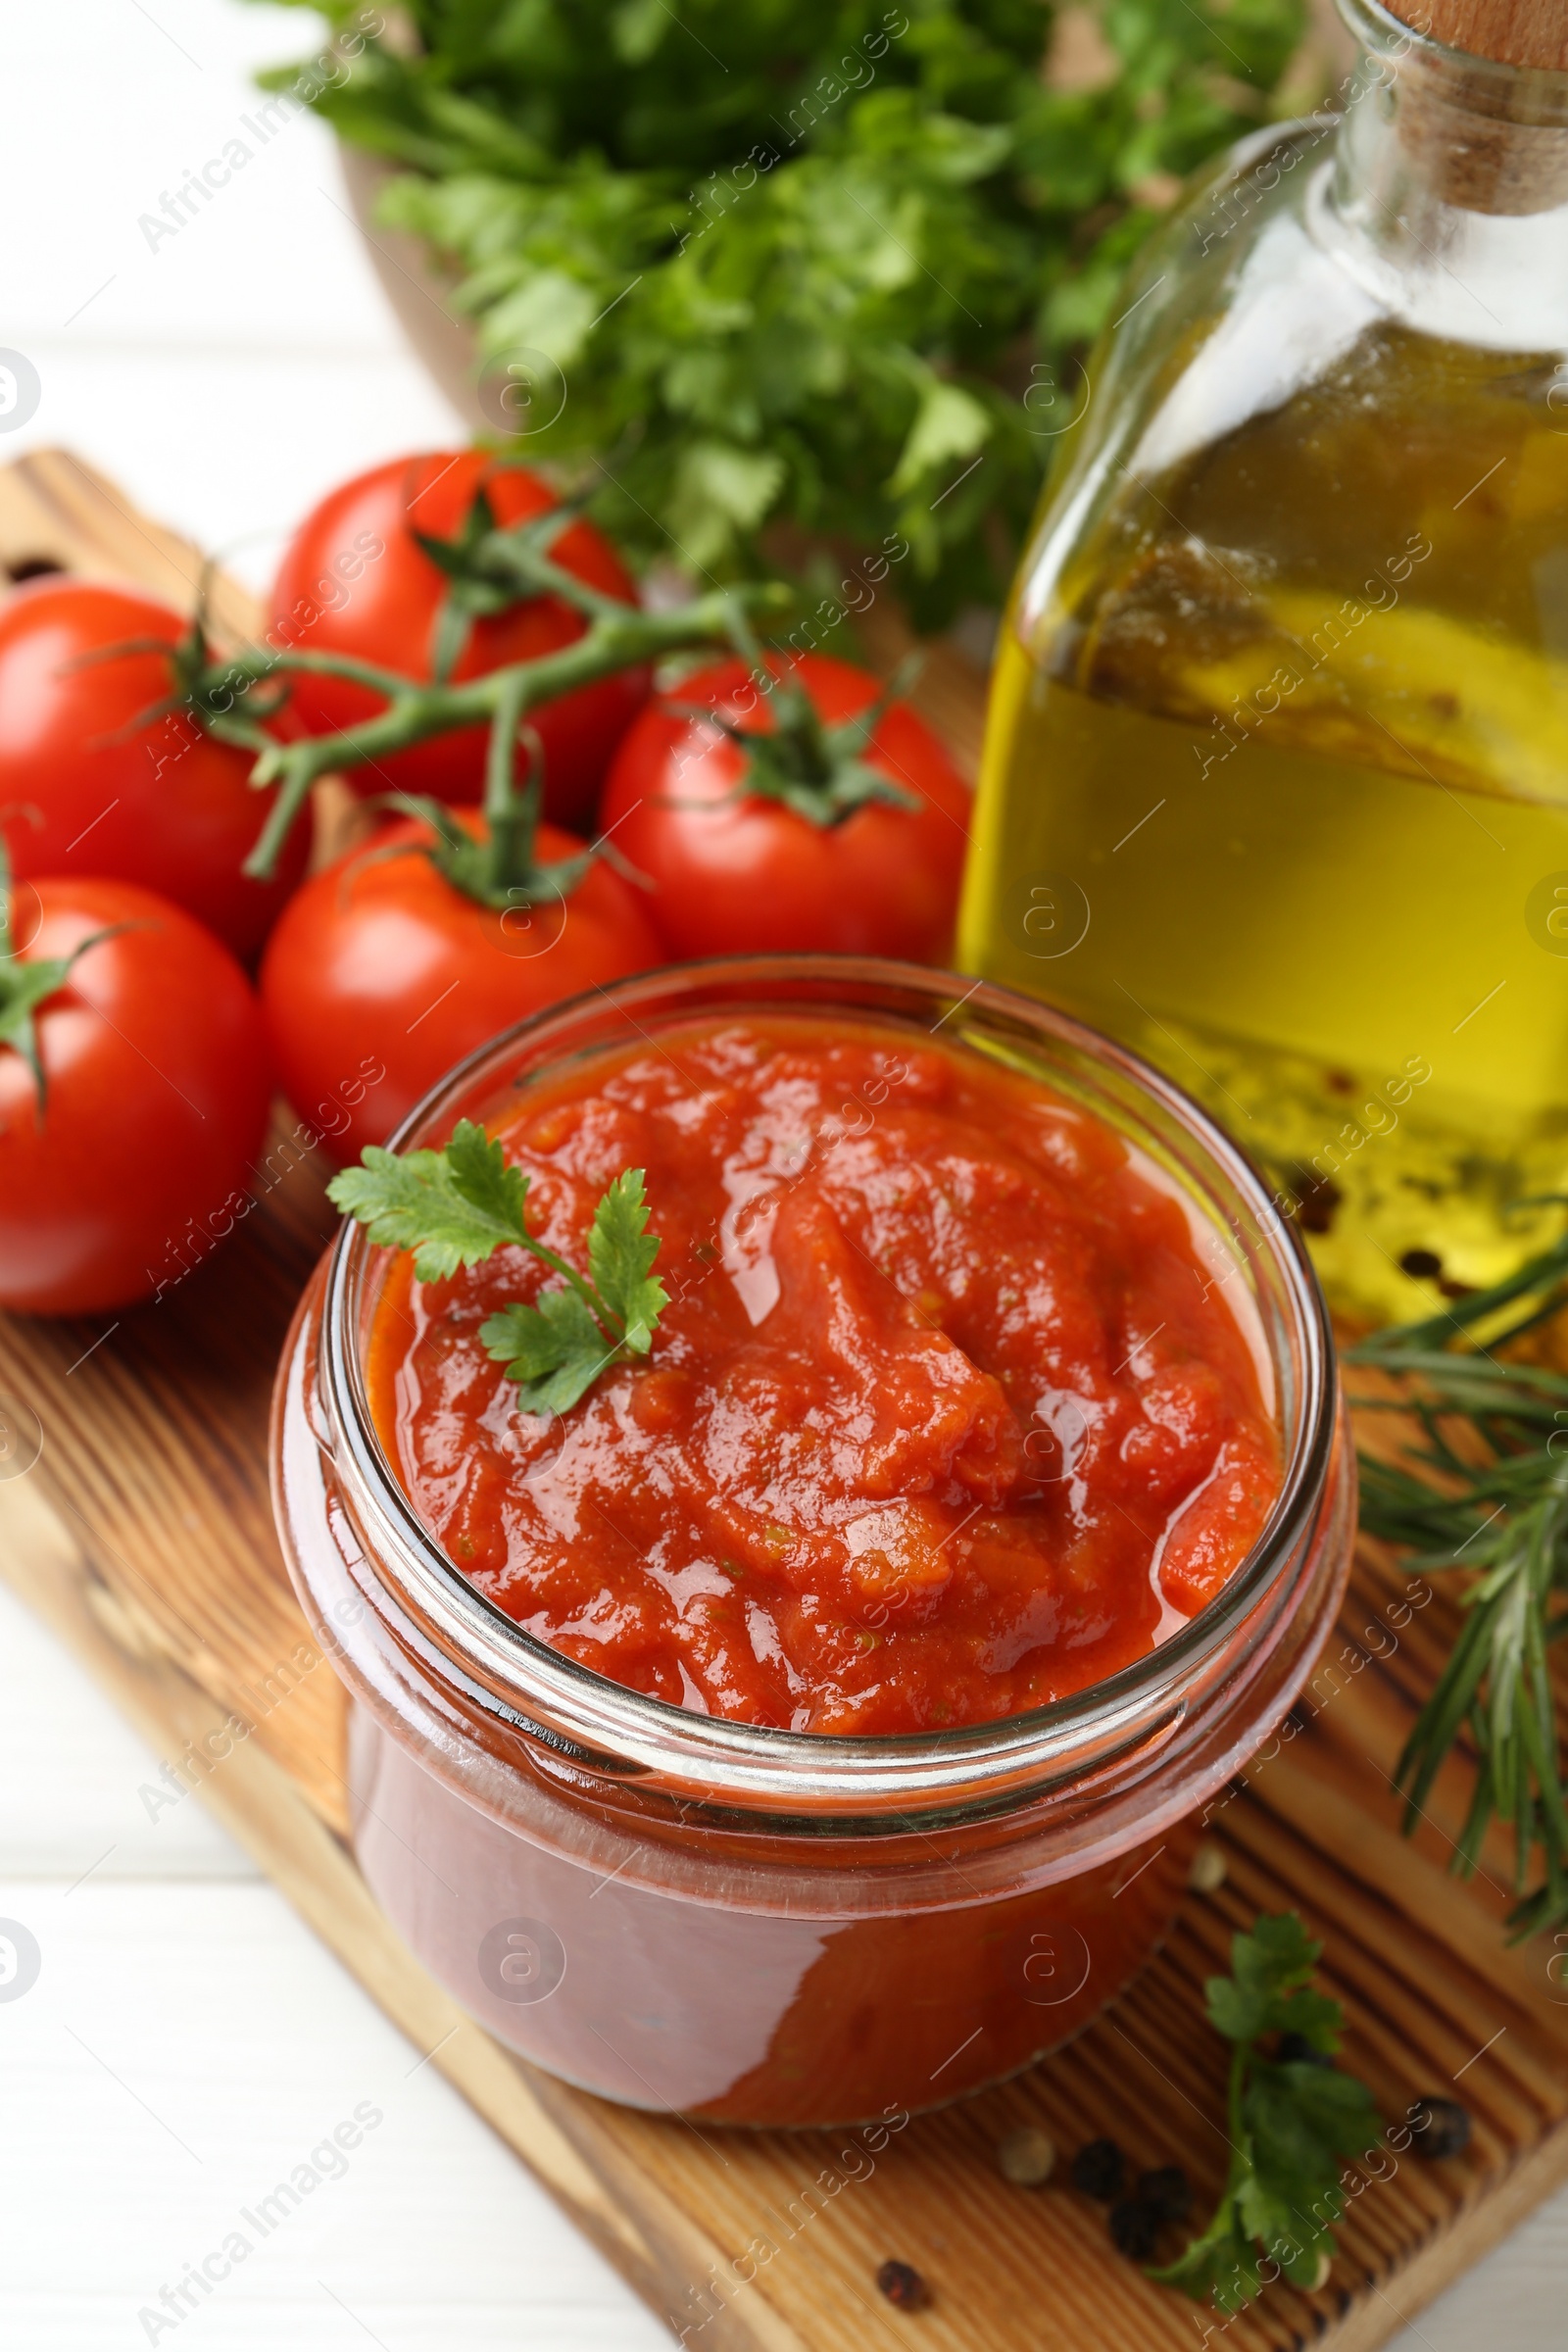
(1448, 195)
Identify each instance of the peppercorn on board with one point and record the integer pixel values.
(143, 1533)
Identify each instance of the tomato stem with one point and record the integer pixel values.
(498, 868)
(509, 815)
(619, 637)
(490, 569)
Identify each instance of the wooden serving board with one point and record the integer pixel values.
(143, 1534)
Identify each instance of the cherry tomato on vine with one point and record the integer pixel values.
(85, 789)
(355, 580)
(127, 1168)
(782, 832)
(381, 964)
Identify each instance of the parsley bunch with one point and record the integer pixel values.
(795, 258)
(455, 1207)
(1289, 2120)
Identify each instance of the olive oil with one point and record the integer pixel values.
(1276, 781)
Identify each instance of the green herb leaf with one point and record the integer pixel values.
(1289, 2123)
(1266, 1991)
(555, 1352)
(621, 1256)
(454, 1208)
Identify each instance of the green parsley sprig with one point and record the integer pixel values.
(1290, 2120)
(456, 1206)
(1506, 1519)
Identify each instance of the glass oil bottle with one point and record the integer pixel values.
(1276, 775)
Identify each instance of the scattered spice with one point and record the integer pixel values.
(1167, 2191)
(1319, 1198)
(1161, 2195)
(903, 2286)
(1207, 1872)
(1098, 2169)
(1442, 2128)
(1027, 2157)
(1134, 2228)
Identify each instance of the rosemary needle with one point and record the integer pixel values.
(1505, 1522)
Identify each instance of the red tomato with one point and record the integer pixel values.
(734, 871)
(135, 1165)
(356, 581)
(381, 975)
(86, 791)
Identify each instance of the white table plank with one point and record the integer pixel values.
(228, 374)
(71, 1778)
(185, 2048)
(227, 377)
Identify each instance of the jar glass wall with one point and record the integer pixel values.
(765, 1927)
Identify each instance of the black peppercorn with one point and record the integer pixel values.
(903, 2285)
(1165, 2191)
(1442, 2128)
(1296, 2050)
(1098, 2169)
(1134, 2227)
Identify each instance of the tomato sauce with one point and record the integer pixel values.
(949, 1415)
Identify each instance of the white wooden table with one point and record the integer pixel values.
(187, 2043)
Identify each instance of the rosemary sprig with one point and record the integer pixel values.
(1507, 1521)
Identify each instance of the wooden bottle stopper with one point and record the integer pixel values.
(1486, 141)
(1513, 33)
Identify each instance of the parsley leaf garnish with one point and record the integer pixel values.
(621, 1256)
(1290, 2121)
(455, 1207)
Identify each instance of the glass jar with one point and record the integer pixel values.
(1276, 777)
(753, 1924)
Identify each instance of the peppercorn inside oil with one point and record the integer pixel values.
(1276, 790)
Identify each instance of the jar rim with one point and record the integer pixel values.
(606, 1728)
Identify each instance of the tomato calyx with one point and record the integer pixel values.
(201, 689)
(498, 868)
(494, 870)
(24, 987)
(490, 567)
(805, 762)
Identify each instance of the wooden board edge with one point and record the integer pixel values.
(1453, 2250)
(57, 509)
(651, 2241)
